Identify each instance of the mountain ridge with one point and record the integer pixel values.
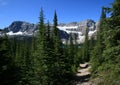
(23, 26)
(77, 29)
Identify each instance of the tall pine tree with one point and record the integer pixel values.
(85, 56)
(40, 53)
(96, 56)
(9, 72)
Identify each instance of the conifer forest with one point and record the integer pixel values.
(45, 60)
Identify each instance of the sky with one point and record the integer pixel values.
(67, 10)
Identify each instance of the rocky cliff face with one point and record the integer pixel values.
(77, 28)
(20, 26)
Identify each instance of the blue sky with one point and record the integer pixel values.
(67, 10)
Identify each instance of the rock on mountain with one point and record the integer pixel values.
(21, 26)
(77, 29)
(78, 26)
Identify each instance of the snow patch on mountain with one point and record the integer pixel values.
(67, 28)
(17, 33)
(76, 29)
(10, 33)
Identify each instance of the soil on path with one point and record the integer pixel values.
(83, 75)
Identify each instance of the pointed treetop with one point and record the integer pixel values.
(116, 8)
(103, 15)
(55, 19)
(41, 16)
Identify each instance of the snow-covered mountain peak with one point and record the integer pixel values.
(77, 29)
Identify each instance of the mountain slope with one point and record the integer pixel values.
(21, 26)
(77, 29)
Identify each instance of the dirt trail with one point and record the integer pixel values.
(83, 75)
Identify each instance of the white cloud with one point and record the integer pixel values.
(3, 2)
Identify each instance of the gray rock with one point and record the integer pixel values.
(27, 29)
(90, 24)
(22, 26)
(17, 26)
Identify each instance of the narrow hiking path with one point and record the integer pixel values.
(83, 74)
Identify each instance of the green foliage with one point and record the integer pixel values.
(44, 61)
(106, 56)
(40, 53)
(71, 54)
(86, 47)
(96, 55)
(110, 68)
(59, 59)
(8, 70)
(115, 8)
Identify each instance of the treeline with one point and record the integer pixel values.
(105, 57)
(44, 60)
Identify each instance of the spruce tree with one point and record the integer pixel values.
(40, 53)
(58, 58)
(91, 46)
(111, 54)
(56, 50)
(86, 48)
(71, 50)
(96, 56)
(106, 53)
(49, 59)
(71, 54)
(8, 70)
(26, 70)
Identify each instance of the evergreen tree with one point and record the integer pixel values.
(115, 8)
(48, 32)
(8, 70)
(96, 56)
(56, 50)
(106, 54)
(40, 53)
(85, 47)
(71, 50)
(111, 54)
(71, 54)
(91, 44)
(33, 43)
(26, 70)
(56, 36)
(13, 47)
(76, 58)
(59, 57)
(49, 59)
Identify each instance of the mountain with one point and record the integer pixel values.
(77, 29)
(78, 26)
(21, 27)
